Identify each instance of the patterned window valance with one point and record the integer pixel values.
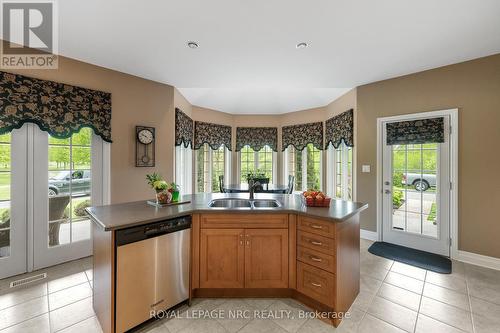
(183, 129)
(213, 134)
(300, 136)
(416, 131)
(340, 128)
(57, 108)
(257, 137)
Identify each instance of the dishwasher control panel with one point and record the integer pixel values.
(135, 234)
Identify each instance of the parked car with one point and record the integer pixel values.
(422, 182)
(79, 179)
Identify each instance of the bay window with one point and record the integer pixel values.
(183, 169)
(210, 165)
(340, 172)
(261, 161)
(305, 166)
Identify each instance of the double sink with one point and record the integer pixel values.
(244, 203)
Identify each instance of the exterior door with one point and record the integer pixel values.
(266, 258)
(416, 192)
(62, 188)
(13, 224)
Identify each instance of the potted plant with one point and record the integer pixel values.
(165, 192)
(258, 176)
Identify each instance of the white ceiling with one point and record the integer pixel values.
(247, 61)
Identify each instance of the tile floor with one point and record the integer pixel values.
(394, 298)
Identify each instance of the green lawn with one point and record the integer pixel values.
(433, 212)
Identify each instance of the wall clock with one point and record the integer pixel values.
(144, 146)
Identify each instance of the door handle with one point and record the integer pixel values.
(387, 183)
(387, 192)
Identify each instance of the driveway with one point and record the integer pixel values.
(416, 210)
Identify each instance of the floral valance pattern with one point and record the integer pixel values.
(300, 136)
(183, 129)
(57, 108)
(416, 131)
(257, 137)
(213, 134)
(340, 128)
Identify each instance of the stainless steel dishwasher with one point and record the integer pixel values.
(152, 270)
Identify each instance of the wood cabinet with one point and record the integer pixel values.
(266, 258)
(222, 258)
(243, 258)
(328, 262)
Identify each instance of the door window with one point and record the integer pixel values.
(415, 187)
(5, 181)
(69, 191)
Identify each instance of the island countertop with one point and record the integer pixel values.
(124, 215)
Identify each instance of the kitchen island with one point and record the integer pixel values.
(309, 254)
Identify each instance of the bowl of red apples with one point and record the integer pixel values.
(315, 198)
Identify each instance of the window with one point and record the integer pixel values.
(340, 176)
(253, 161)
(305, 166)
(210, 165)
(184, 169)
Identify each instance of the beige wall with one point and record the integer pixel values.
(135, 101)
(182, 103)
(474, 88)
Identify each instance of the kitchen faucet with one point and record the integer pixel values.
(251, 187)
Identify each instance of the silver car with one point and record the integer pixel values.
(422, 182)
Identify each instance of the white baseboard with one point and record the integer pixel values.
(477, 259)
(369, 235)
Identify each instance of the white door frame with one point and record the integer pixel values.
(453, 114)
(16, 262)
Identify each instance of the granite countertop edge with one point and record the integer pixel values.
(125, 215)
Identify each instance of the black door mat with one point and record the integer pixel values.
(429, 261)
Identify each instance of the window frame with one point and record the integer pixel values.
(333, 172)
(256, 162)
(286, 156)
(208, 167)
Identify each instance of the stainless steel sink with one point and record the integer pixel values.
(230, 203)
(264, 203)
(243, 203)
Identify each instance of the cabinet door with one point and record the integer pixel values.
(266, 258)
(222, 258)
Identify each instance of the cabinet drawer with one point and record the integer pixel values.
(255, 221)
(316, 242)
(316, 258)
(315, 226)
(316, 283)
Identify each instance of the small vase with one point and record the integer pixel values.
(163, 197)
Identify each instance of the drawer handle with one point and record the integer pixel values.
(316, 284)
(315, 226)
(316, 243)
(313, 258)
